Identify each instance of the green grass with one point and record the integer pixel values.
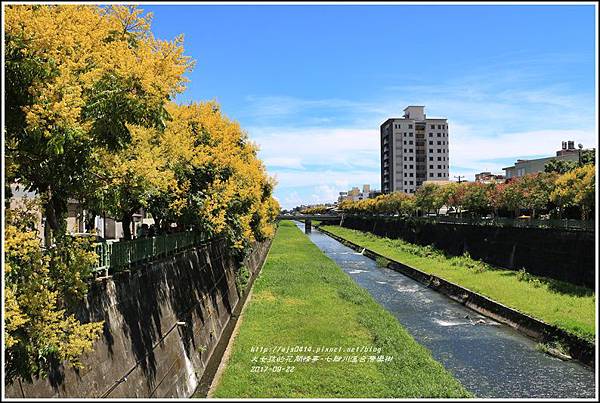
(565, 305)
(302, 298)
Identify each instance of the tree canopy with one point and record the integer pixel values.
(549, 192)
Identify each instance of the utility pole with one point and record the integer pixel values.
(459, 178)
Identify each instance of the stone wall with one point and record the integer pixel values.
(162, 324)
(555, 253)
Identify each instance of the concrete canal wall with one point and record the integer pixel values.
(559, 254)
(163, 323)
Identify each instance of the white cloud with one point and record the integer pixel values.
(277, 106)
(325, 194)
(468, 148)
(302, 147)
(283, 162)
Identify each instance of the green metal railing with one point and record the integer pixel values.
(114, 255)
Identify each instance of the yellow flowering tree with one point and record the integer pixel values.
(576, 188)
(76, 77)
(136, 175)
(39, 287)
(223, 186)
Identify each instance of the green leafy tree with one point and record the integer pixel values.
(536, 190)
(475, 198)
(427, 198)
(512, 196)
(560, 166)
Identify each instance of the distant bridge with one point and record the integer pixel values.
(308, 218)
(316, 217)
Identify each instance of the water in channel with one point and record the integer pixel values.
(490, 359)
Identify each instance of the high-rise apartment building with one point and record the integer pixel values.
(414, 149)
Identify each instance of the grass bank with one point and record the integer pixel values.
(565, 305)
(303, 299)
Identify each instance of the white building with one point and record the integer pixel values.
(355, 194)
(414, 149)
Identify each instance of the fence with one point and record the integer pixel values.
(115, 255)
(577, 225)
(566, 224)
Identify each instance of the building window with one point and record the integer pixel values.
(439, 143)
(433, 126)
(411, 175)
(439, 158)
(430, 166)
(439, 174)
(439, 134)
(410, 142)
(410, 134)
(404, 142)
(431, 174)
(412, 182)
(410, 150)
(439, 126)
(405, 183)
(405, 174)
(410, 126)
(430, 142)
(430, 134)
(411, 167)
(410, 158)
(439, 150)
(430, 158)
(439, 167)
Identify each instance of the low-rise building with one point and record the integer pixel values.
(522, 167)
(488, 177)
(355, 194)
(78, 220)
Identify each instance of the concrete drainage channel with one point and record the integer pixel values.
(579, 349)
(462, 329)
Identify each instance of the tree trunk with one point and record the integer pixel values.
(90, 221)
(54, 211)
(126, 223)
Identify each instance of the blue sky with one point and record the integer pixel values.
(312, 84)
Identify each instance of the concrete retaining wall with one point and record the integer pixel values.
(559, 254)
(143, 351)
